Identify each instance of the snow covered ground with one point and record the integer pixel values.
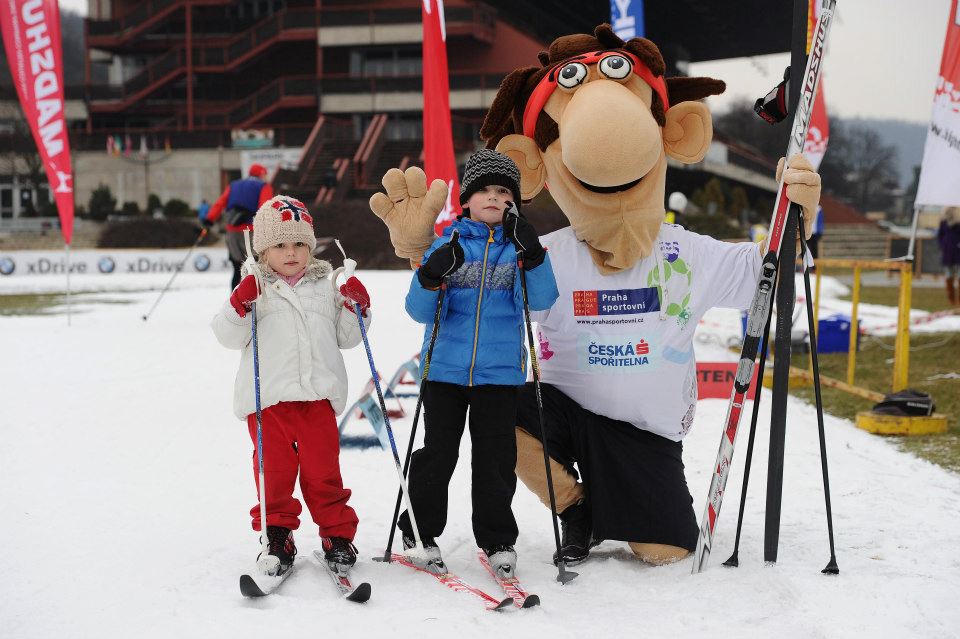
(125, 483)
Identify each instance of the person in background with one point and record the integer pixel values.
(948, 236)
(240, 201)
(814, 241)
(202, 211)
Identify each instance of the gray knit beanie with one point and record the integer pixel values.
(282, 219)
(486, 167)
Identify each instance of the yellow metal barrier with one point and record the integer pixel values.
(868, 420)
(901, 351)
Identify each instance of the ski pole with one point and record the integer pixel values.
(261, 479)
(388, 553)
(563, 575)
(734, 559)
(203, 234)
(347, 269)
(831, 568)
(759, 307)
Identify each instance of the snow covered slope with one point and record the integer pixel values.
(125, 485)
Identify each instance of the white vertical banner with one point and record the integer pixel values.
(939, 181)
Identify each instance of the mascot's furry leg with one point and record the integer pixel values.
(658, 554)
(533, 474)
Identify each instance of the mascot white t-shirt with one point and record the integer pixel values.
(617, 347)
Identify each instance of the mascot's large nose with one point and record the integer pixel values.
(608, 136)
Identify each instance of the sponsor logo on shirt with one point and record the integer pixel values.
(622, 301)
(617, 353)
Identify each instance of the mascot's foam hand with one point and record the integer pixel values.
(803, 188)
(524, 237)
(409, 210)
(441, 263)
(355, 293)
(244, 295)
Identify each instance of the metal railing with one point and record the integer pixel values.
(901, 348)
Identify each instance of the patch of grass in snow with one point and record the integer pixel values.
(925, 299)
(931, 371)
(49, 303)
(31, 304)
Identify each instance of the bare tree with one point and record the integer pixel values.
(859, 167)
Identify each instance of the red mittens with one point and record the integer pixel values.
(244, 295)
(355, 293)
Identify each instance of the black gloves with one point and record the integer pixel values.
(524, 237)
(441, 263)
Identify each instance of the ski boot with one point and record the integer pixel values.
(576, 525)
(503, 560)
(281, 551)
(431, 561)
(340, 554)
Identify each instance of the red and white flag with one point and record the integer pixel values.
(31, 37)
(939, 185)
(815, 146)
(438, 159)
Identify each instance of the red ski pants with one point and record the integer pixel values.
(302, 436)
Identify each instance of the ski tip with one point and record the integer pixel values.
(360, 594)
(503, 605)
(249, 587)
(530, 601)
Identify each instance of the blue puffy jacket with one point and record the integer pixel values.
(482, 332)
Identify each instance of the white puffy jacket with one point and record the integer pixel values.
(300, 331)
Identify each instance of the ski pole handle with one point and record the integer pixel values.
(251, 263)
(347, 270)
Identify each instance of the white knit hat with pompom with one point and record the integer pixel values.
(282, 219)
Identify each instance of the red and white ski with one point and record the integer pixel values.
(454, 582)
(763, 297)
(511, 586)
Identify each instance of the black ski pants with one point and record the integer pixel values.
(493, 418)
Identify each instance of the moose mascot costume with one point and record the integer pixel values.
(594, 122)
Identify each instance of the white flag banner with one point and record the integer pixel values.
(939, 182)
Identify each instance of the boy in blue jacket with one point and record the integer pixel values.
(479, 360)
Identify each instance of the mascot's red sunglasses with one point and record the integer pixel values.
(615, 64)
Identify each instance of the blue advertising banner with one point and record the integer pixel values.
(626, 16)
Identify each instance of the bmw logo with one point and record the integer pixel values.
(106, 264)
(201, 263)
(7, 266)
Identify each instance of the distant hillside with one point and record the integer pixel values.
(908, 137)
(71, 34)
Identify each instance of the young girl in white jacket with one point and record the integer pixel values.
(302, 323)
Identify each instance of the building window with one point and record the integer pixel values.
(386, 62)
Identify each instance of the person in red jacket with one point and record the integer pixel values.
(240, 201)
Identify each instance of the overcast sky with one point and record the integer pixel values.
(882, 60)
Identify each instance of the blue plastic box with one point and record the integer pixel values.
(833, 333)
